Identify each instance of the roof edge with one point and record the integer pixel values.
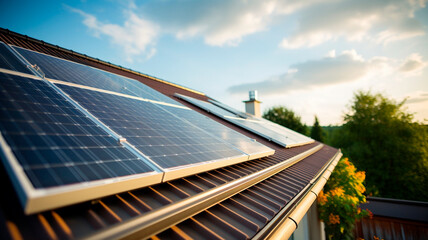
(84, 56)
(286, 222)
(398, 201)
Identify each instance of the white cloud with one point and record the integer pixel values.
(417, 97)
(346, 67)
(413, 64)
(136, 36)
(331, 53)
(378, 20)
(227, 22)
(219, 23)
(334, 69)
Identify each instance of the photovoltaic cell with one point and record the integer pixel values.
(243, 143)
(55, 143)
(167, 140)
(10, 62)
(264, 128)
(60, 69)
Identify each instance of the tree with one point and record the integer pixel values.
(382, 139)
(287, 118)
(317, 131)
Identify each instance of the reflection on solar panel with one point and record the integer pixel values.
(230, 109)
(169, 141)
(207, 106)
(54, 143)
(60, 69)
(243, 143)
(9, 61)
(264, 128)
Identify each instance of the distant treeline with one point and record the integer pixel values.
(380, 138)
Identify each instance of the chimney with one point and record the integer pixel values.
(252, 106)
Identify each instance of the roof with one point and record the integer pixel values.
(393, 219)
(396, 208)
(250, 199)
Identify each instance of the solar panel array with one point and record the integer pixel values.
(262, 127)
(74, 124)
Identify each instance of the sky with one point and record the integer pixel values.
(308, 55)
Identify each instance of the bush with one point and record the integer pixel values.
(339, 203)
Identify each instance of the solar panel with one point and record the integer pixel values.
(262, 127)
(175, 145)
(230, 109)
(64, 70)
(243, 143)
(57, 147)
(220, 112)
(9, 61)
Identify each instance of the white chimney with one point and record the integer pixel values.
(252, 106)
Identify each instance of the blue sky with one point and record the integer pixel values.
(310, 56)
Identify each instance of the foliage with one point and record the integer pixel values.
(339, 203)
(287, 118)
(317, 131)
(329, 133)
(382, 139)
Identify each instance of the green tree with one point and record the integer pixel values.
(287, 118)
(382, 139)
(317, 131)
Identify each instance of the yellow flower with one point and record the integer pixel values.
(322, 198)
(360, 188)
(334, 219)
(346, 161)
(353, 199)
(351, 168)
(361, 175)
(337, 192)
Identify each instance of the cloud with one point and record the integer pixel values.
(378, 20)
(136, 36)
(219, 23)
(349, 66)
(335, 69)
(422, 97)
(413, 63)
(227, 22)
(417, 100)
